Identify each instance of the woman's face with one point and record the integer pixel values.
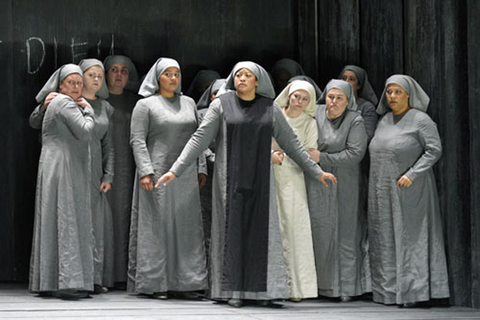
(117, 76)
(72, 86)
(169, 81)
(336, 102)
(397, 98)
(245, 81)
(93, 78)
(298, 100)
(351, 77)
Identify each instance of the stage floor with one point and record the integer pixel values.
(17, 303)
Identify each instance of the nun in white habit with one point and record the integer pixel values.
(246, 258)
(62, 249)
(166, 236)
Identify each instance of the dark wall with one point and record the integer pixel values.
(37, 37)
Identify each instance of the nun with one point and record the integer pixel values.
(122, 81)
(318, 91)
(167, 253)
(364, 95)
(283, 70)
(407, 251)
(336, 213)
(102, 163)
(297, 102)
(203, 79)
(61, 262)
(246, 258)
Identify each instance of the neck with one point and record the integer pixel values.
(291, 113)
(115, 90)
(246, 96)
(166, 94)
(402, 110)
(90, 95)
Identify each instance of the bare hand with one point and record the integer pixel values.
(82, 102)
(47, 101)
(277, 157)
(202, 180)
(167, 178)
(105, 186)
(146, 183)
(314, 154)
(404, 181)
(327, 176)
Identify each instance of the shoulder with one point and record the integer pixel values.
(186, 100)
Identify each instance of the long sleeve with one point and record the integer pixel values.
(201, 139)
(432, 146)
(108, 154)
(138, 138)
(288, 141)
(356, 146)
(370, 118)
(81, 122)
(311, 135)
(36, 118)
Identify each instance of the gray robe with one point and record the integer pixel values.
(120, 197)
(102, 160)
(370, 117)
(62, 248)
(214, 127)
(336, 214)
(407, 253)
(166, 235)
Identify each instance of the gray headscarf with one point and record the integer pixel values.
(133, 80)
(85, 64)
(150, 84)
(283, 98)
(204, 100)
(346, 88)
(418, 97)
(203, 79)
(292, 67)
(365, 89)
(54, 81)
(264, 88)
(318, 91)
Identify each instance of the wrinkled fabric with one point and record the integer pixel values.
(102, 169)
(120, 196)
(166, 237)
(293, 213)
(203, 79)
(85, 64)
(365, 89)
(336, 214)
(418, 98)
(213, 127)
(54, 81)
(133, 80)
(407, 252)
(318, 91)
(204, 100)
(150, 84)
(62, 246)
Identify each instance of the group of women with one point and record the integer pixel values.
(289, 216)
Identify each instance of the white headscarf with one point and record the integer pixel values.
(418, 97)
(346, 88)
(264, 88)
(54, 81)
(283, 98)
(150, 84)
(133, 80)
(85, 64)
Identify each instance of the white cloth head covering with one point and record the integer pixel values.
(133, 80)
(54, 81)
(318, 91)
(264, 88)
(204, 100)
(283, 98)
(346, 88)
(85, 64)
(150, 84)
(365, 89)
(418, 97)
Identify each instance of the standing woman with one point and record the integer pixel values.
(297, 101)
(62, 251)
(364, 95)
(406, 249)
(122, 82)
(246, 252)
(166, 238)
(336, 213)
(102, 162)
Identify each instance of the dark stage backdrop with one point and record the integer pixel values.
(436, 42)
